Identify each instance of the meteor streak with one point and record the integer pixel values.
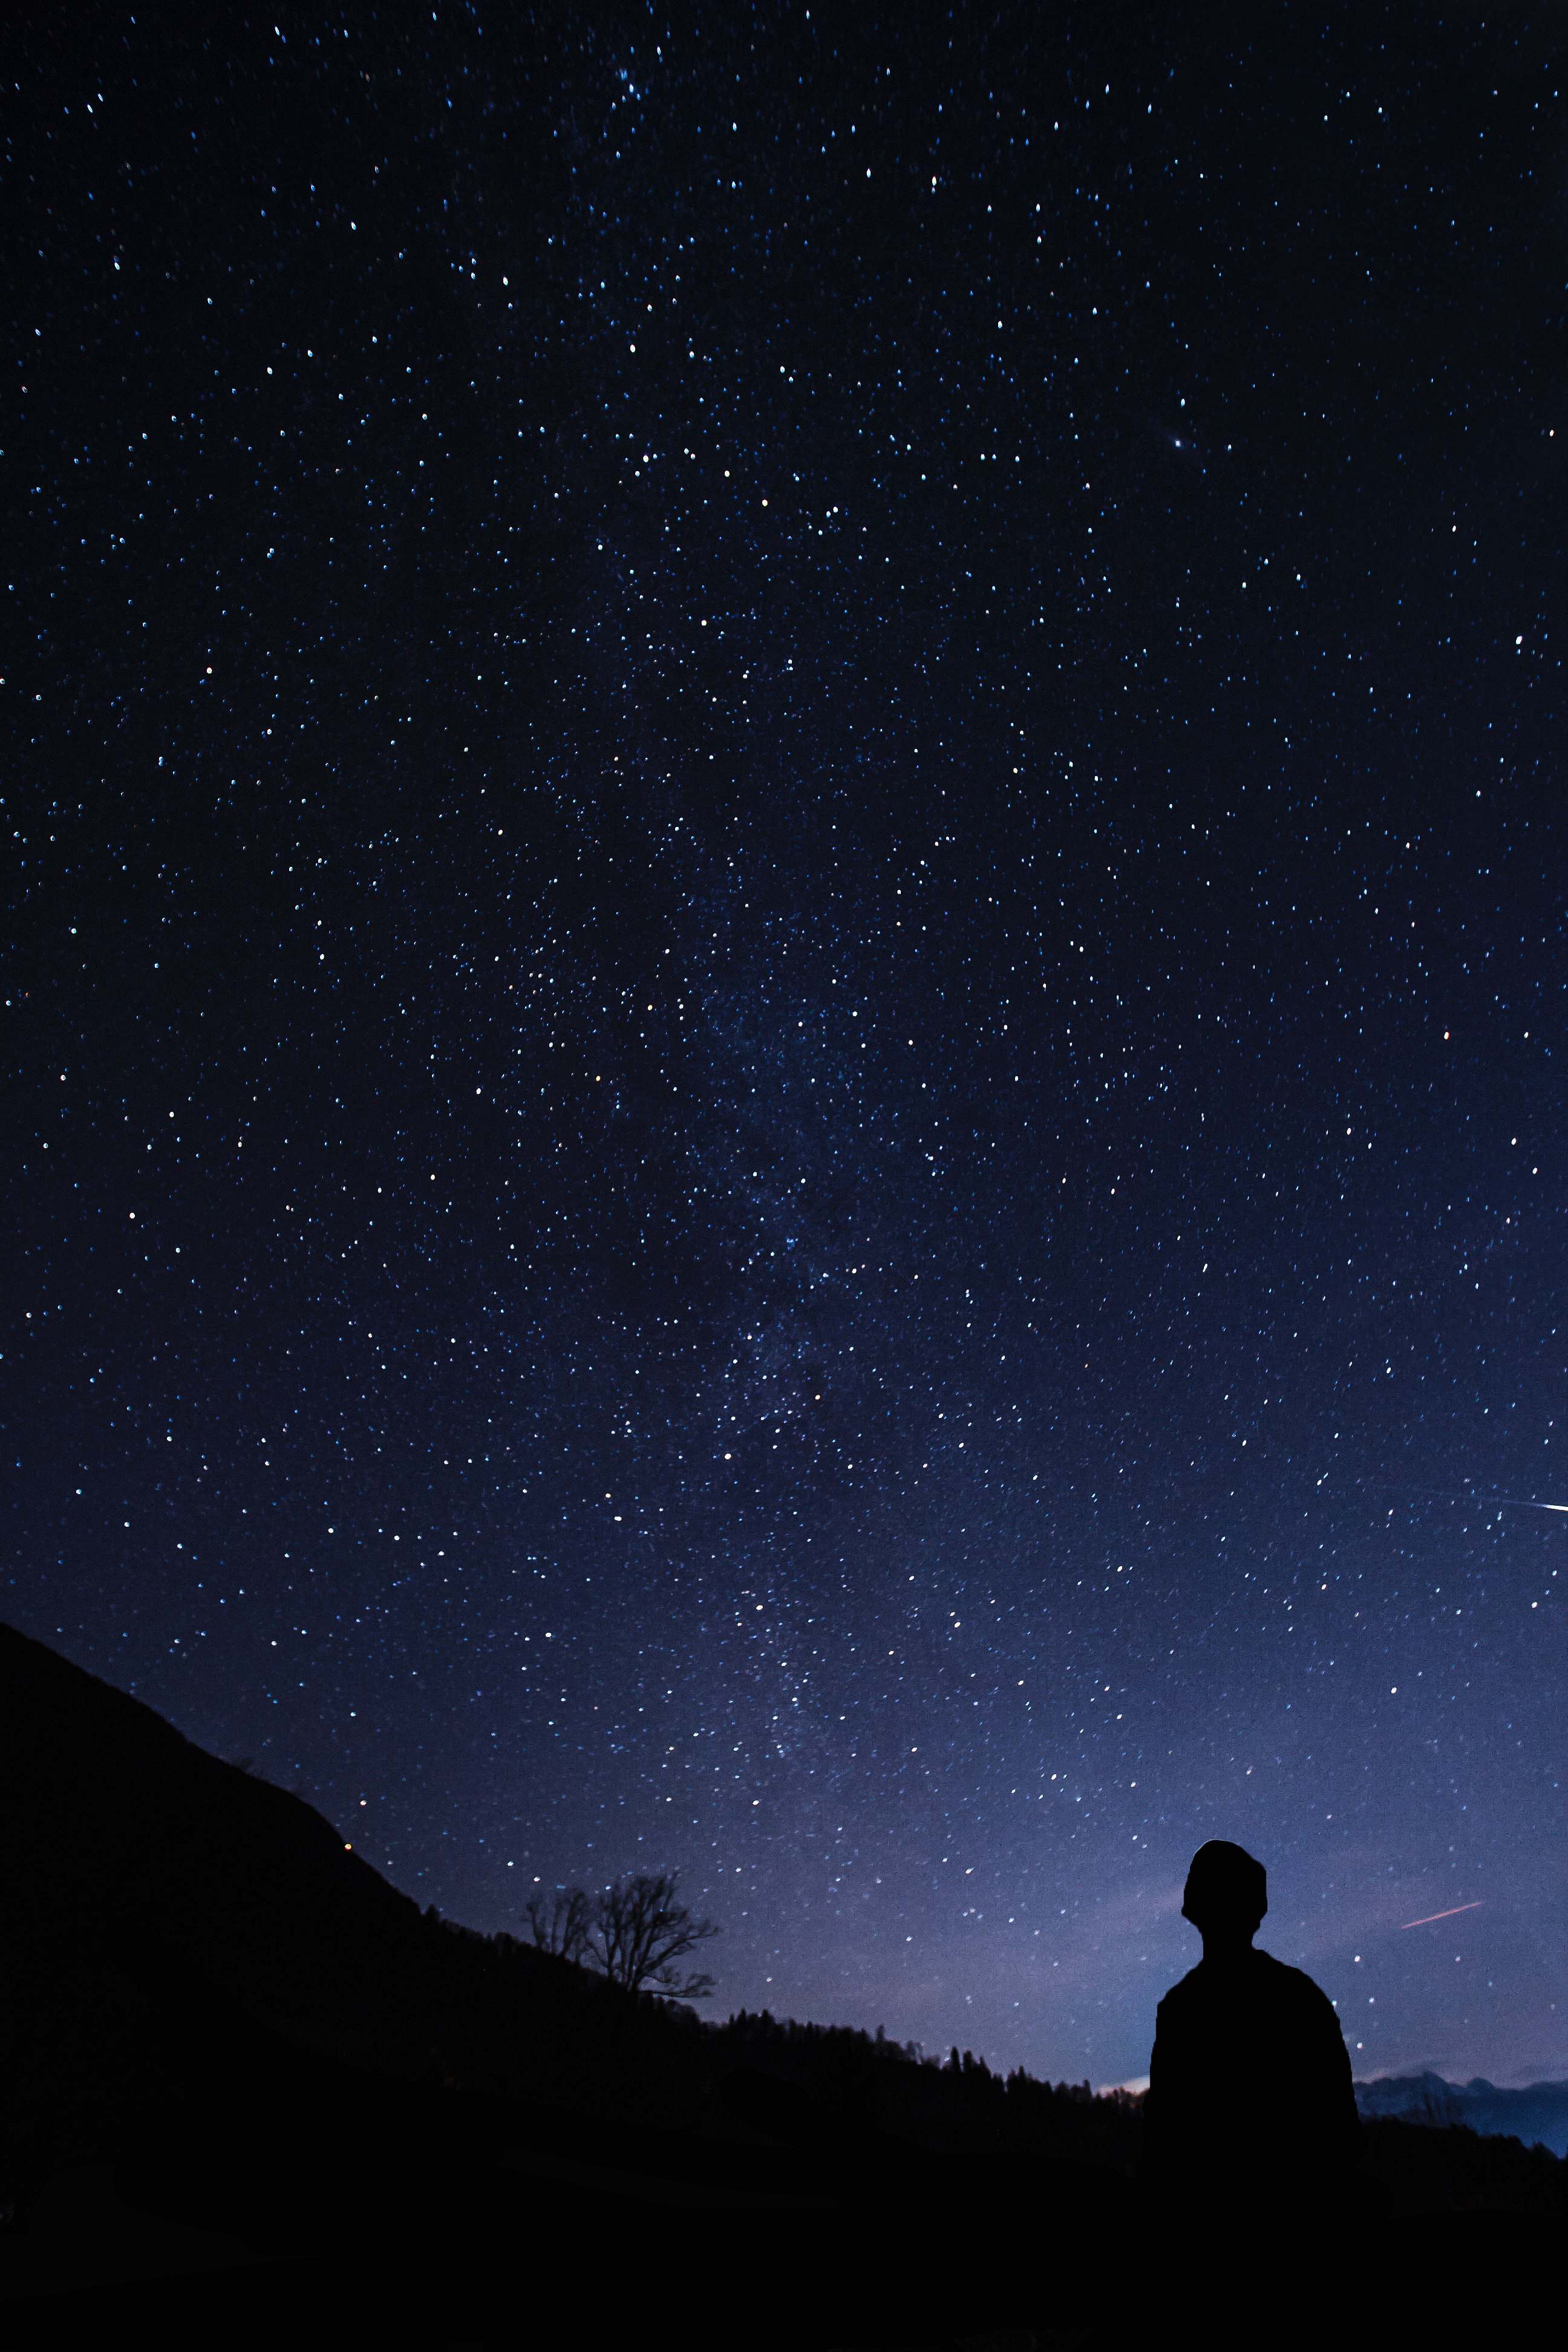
(1467, 1495)
(1454, 1913)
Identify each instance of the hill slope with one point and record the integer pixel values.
(126, 1835)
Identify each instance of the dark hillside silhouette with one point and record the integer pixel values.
(164, 1886)
(124, 1831)
(249, 2086)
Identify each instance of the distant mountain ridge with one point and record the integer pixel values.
(1536, 2113)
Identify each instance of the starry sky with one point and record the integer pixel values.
(786, 971)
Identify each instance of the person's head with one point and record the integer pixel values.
(1227, 1894)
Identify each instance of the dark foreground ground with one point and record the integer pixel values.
(661, 2274)
(419, 2216)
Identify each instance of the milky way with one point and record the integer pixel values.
(786, 973)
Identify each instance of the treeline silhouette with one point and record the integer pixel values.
(957, 2103)
(218, 2020)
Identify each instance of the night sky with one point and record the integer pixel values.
(787, 974)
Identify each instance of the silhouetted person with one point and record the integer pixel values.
(1250, 2106)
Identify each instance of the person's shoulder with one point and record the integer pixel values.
(1294, 1984)
(1185, 1989)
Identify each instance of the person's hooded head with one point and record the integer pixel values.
(1226, 1893)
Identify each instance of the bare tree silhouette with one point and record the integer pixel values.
(633, 1932)
(643, 1930)
(565, 1925)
